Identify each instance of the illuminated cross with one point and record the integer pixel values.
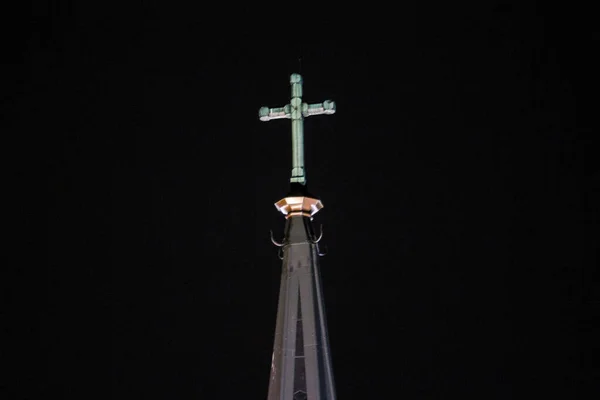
(296, 111)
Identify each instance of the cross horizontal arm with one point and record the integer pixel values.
(268, 114)
(326, 107)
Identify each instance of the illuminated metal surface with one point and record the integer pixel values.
(301, 364)
(297, 111)
(301, 205)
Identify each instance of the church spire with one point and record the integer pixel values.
(301, 364)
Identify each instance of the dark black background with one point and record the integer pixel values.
(456, 176)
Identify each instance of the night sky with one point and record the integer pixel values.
(456, 177)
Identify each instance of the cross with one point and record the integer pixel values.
(296, 111)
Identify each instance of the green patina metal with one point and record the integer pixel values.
(297, 111)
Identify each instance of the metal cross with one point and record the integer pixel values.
(296, 111)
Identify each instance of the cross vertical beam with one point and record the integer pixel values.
(297, 111)
(298, 174)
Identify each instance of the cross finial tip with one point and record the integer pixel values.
(295, 78)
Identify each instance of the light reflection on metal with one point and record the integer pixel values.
(274, 241)
(320, 236)
(299, 205)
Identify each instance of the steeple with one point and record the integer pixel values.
(301, 364)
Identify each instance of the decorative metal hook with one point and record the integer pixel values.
(274, 241)
(320, 236)
(280, 253)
